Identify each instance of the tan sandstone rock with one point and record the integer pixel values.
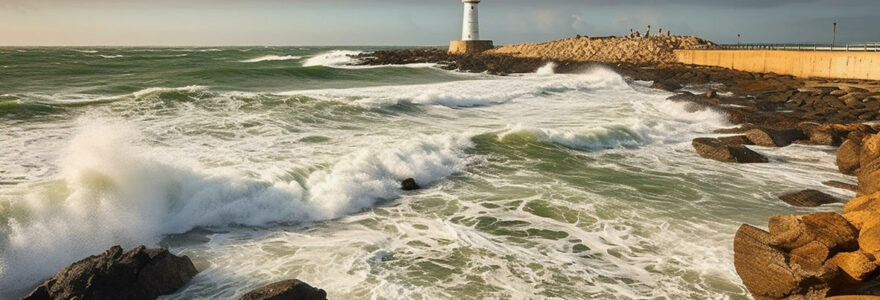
(848, 157)
(857, 264)
(830, 229)
(762, 267)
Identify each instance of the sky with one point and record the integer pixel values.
(422, 22)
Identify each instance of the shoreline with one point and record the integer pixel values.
(792, 260)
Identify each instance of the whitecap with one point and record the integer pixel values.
(272, 58)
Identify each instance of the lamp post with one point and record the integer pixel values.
(737, 39)
(834, 36)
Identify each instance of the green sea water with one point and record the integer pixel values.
(270, 163)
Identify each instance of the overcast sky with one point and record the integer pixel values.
(422, 22)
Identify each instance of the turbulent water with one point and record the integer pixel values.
(264, 164)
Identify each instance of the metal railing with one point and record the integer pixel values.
(869, 47)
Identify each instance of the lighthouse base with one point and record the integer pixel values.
(469, 47)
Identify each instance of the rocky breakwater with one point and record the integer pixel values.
(822, 254)
(612, 49)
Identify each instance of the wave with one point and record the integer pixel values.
(334, 58)
(272, 58)
(111, 56)
(591, 139)
(86, 51)
(111, 191)
(548, 69)
(157, 90)
(471, 93)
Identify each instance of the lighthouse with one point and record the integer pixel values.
(470, 32)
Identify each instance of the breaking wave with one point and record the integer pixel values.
(113, 191)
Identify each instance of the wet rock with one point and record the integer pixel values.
(140, 273)
(286, 290)
(761, 266)
(735, 140)
(712, 148)
(848, 157)
(841, 185)
(409, 184)
(666, 86)
(774, 138)
(808, 198)
(711, 94)
(830, 229)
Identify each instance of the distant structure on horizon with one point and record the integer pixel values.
(470, 32)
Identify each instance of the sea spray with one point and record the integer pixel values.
(113, 190)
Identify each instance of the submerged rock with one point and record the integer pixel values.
(808, 198)
(841, 185)
(140, 273)
(409, 184)
(712, 148)
(286, 290)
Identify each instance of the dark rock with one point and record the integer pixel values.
(774, 138)
(712, 148)
(736, 140)
(711, 94)
(841, 185)
(409, 184)
(137, 274)
(808, 198)
(666, 86)
(286, 290)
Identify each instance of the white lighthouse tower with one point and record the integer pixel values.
(470, 32)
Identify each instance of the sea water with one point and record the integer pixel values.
(269, 163)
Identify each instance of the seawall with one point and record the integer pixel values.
(827, 64)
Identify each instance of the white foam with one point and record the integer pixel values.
(548, 69)
(272, 58)
(112, 56)
(470, 93)
(334, 58)
(116, 191)
(153, 90)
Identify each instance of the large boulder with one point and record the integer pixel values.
(857, 264)
(712, 148)
(668, 86)
(848, 156)
(834, 134)
(761, 266)
(830, 229)
(869, 165)
(140, 273)
(774, 138)
(292, 289)
(808, 198)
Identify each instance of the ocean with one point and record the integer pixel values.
(269, 163)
